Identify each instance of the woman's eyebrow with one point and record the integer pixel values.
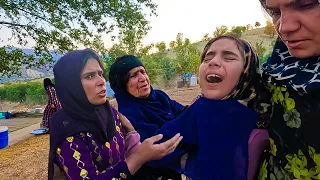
(229, 53)
(292, 3)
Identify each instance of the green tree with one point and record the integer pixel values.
(260, 49)
(206, 37)
(273, 43)
(187, 55)
(172, 44)
(222, 30)
(257, 24)
(269, 29)
(168, 67)
(65, 24)
(238, 30)
(115, 51)
(152, 66)
(161, 46)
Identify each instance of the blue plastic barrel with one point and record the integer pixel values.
(7, 115)
(4, 137)
(110, 92)
(193, 80)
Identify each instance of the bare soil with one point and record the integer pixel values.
(28, 160)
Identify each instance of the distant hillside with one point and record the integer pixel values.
(33, 73)
(253, 36)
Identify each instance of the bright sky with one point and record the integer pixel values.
(196, 18)
(192, 18)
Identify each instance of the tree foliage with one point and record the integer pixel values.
(31, 93)
(64, 25)
(172, 44)
(222, 30)
(257, 24)
(238, 30)
(187, 55)
(269, 29)
(161, 46)
(260, 49)
(206, 37)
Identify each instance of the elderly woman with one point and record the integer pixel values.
(292, 77)
(147, 109)
(87, 140)
(53, 103)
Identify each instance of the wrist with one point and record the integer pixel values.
(130, 130)
(134, 163)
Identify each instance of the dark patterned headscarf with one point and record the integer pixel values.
(301, 75)
(77, 114)
(47, 82)
(249, 82)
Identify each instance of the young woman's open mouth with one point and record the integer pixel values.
(213, 78)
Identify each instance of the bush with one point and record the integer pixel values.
(30, 92)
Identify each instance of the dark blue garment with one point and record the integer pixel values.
(221, 130)
(148, 115)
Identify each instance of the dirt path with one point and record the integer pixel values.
(15, 124)
(28, 160)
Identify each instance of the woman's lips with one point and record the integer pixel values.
(294, 44)
(102, 93)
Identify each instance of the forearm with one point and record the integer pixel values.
(133, 164)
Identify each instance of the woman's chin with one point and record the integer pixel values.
(212, 94)
(99, 101)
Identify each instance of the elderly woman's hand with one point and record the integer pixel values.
(149, 151)
(125, 123)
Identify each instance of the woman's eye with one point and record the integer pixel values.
(229, 58)
(89, 77)
(308, 6)
(206, 59)
(275, 13)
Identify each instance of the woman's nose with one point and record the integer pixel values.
(288, 23)
(141, 77)
(101, 81)
(215, 62)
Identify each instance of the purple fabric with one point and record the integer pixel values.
(77, 114)
(258, 141)
(48, 111)
(132, 141)
(83, 156)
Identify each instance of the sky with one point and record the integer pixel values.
(192, 18)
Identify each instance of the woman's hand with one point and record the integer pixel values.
(125, 123)
(52, 106)
(149, 151)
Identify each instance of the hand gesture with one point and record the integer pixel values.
(149, 151)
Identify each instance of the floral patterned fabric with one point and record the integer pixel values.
(294, 85)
